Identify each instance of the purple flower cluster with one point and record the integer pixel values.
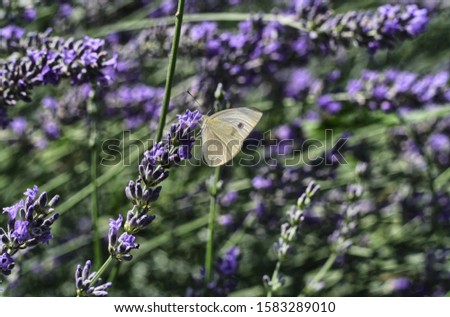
(153, 169)
(302, 84)
(125, 97)
(373, 30)
(439, 144)
(261, 47)
(155, 165)
(393, 89)
(47, 60)
(120, 246)
(390, 90)
(84, 284)
(431, 5)
(29, 223)
(224, 276)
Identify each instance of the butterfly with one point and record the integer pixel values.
(224, 132)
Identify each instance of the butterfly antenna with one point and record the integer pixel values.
(195, 99)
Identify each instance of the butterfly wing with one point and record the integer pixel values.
(224, 133)
(244, 120)
(217, 147)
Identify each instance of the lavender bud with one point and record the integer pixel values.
(42, 200)
(84, 285)
(29, 214)
(6, 263)
(130, 191)
(267, 282)
(5, 239)
(354, 191)
(139, 190)
(155, 194)
(54, 201)
(145, 220)
(130, 215)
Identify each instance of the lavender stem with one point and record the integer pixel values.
(92, 109)
(211, 223)
(171, 70)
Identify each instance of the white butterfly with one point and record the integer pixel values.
(224, 133)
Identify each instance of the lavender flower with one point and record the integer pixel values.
(391, 90)
(18, 125)
(65, 10)
(156, 162)
(6, 262)
(142, 192)
(301, 84)
(154, 168)
(224, 276)
(29, 14)
(374, 30)
(145, 190)
(120, 246)
(262, 48)
(399, 284)
(48, 60)
(327, 104)
(84, 285)
(439, 144)
(228, 199)
(29, 223)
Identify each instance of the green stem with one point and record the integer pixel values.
(274, 277)
(115, 272)
(211, 223)
(171, 70)
(95, 215)
(102, 269)
(133, 25)
(323, 270)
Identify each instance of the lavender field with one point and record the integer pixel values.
(341, 187)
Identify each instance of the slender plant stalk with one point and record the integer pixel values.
(95, 215)
(94, 207)
(171, 69)
(323, 270)
(101, 270)
(211, 223)
(114, 272)
(276, 271)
